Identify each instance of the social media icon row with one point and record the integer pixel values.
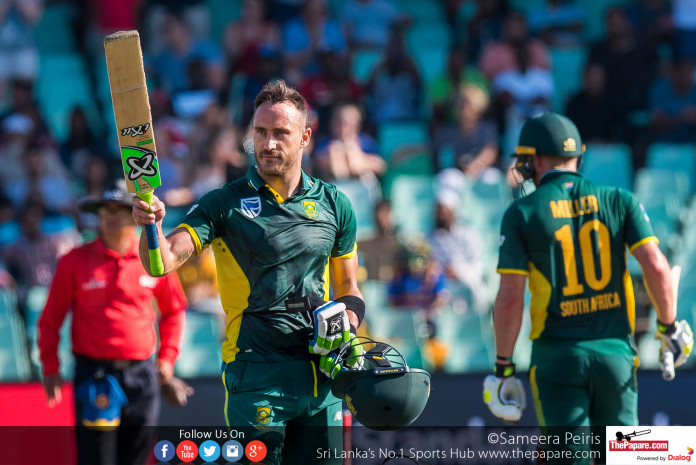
(209, 451)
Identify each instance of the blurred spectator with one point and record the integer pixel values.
(95, 176)
(110, 16)
(171, 65)
(629, 60)
(559, 23)
(306, 35)
(349, 153)
(394, 88)
(269, 69)
(379, 252)
(514, 50)
(653, 18)
(592, 109)
(245, 37)
(154, 13)
(684, 19)
(19, 57)
(673, 104)
(369, 22)
(172, 171)
(284, 10)
(81, 144)
(459, 249)
(225, 163)
(23, 101)
(6, 279)
(331, 86)
(33, 257)
(41, 182)
(485, 26)
(191, 102)
(472, 143)
(443, 91)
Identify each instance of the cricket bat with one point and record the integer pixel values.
(666, 357)
(124, 62)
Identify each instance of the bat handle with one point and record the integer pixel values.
(153, 248)
(667, 365)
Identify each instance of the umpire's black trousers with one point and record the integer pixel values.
(132, 442)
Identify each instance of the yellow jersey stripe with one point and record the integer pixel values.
(512, 271)
(643, 241)
(350, 254)
(535, 396)
(194, 235)
(314, 373)
(275, 194)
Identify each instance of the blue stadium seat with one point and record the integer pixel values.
(222, 12)
(394, 135)
(362, 64)
(609, 164)
(363, 198)
(674, 157)
(662, 183)
(201, 349)
(594, 18)
(54, 33)
(422, 11)
(413, 204)
(14, 357)
(567, 66)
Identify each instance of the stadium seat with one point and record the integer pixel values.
(431, 61)
(594, 18)
(9, 232)
(662, 183)
(14, 357)
(363, 198)
(609, 164)
(8, 303)
(174, 217)
(674, 157)
(54, 33)
(392, 136)
(485, 202)
(396, 323)
(362, 64)
(201, 349)
(222, 12)
(567, 67)
(422, 11)
(413, 203)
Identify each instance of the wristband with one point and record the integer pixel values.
(504, 359)
(666, 329)
(504, 371)
(354, 304)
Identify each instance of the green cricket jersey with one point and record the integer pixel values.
(570, 238)
(268, 249)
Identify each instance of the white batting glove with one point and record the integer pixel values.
(677, 339)
(331, 328)
(504, 396)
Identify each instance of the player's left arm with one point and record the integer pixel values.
(344, 281)
(507, 312)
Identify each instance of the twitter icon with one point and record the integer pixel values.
(209, 451)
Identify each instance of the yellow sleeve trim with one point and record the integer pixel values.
(194, 235)
(643, 241)
(512, 271)
(350, 254)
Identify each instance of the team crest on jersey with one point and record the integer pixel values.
(251, 207)
(263, 415)
(310, 209)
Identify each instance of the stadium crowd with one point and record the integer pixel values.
(396, 88)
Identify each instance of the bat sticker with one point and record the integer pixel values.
(135, 131)
(142, 164)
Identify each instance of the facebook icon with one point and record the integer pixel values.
(164, 451)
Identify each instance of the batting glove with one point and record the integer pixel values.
(676, 338)
(351, 357)
(331, 328)
(504, 394)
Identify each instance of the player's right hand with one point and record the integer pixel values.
(147, 214)
(676, 338)
(504, 396)
(53, 385)
(331, 328)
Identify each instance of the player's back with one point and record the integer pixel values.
(575, 234)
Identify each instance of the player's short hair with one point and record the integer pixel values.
(279, 92)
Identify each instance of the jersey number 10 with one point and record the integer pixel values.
(565, 237)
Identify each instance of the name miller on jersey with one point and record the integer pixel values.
(574, 208)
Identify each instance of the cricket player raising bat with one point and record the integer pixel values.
(568, 240)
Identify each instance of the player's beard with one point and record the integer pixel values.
(278, 167)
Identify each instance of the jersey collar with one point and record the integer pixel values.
(256, 182)
(552, 175)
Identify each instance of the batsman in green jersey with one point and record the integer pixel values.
(281, 239)
(568, 240)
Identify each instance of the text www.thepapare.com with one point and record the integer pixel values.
(633, 446)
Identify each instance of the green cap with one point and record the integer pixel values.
(550, 134)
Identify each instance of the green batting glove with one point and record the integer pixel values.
(330, 365)
(353, 357)
(331, 328)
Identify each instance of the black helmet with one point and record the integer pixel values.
(383, 392)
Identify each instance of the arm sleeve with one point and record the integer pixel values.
(344, 245)
(60, 300)
(513, 257)
(638, 229)
(202, 220)
(172, 303)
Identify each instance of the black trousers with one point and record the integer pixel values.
(132, 442)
